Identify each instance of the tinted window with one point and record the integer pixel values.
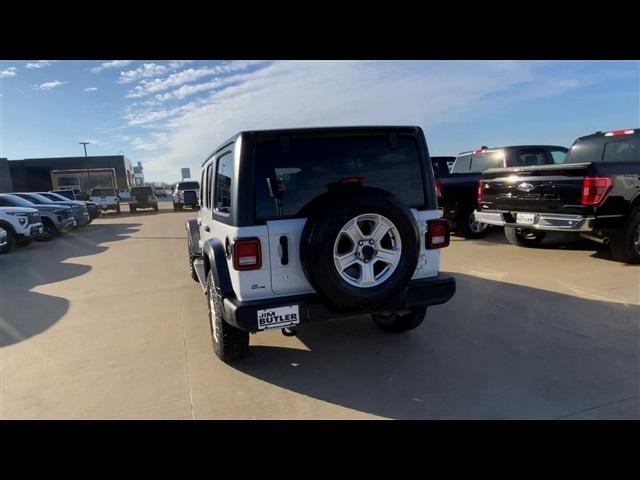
(486, 160)
(586, 151)
(36, 198)
(203, 186)
(462, 164)
(188, 186)
(224, 177)
(103, 192)
(144, 190)
(527, 157)
(440, 166)
(66, 193)
(621, 151)
(209, 182)
(558, 156)
(311, 166)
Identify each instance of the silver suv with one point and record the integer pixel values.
(308, 224)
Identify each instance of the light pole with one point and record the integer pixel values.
(84, 144)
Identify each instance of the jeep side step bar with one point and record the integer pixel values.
(198, 265)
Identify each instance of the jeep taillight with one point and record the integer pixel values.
(439, 190)
(594, 189)
(480, 194)
(247, 254)
(437, 233)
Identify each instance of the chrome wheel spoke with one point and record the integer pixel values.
(367, 277)
(345, 261)
(390, 257)
(380, 230)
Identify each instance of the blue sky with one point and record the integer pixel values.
(171, 114)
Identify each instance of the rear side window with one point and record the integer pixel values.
(462, 164)
(621, 151)
(558, 156)
(224, 180)
(286, 180)
(487, 160)
(209, 181)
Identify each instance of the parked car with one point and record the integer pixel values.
(79, 211)
(161, 193)
(106, 199)
(56, 219)
(124, 195)
(305, 224)
(595, 193)
(4, 239)
(142, 197)
(459, 189)
(22, 224)
(186, 195)
(78, 196)
(84, 206)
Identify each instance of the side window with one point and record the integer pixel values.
(625, 151)
(203, 187)
(207, 199)
(558, 156)
(224, 180)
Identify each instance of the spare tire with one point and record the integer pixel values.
(360, 248)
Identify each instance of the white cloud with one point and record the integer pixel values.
(176, 64)
(39, 64)
(300, 93)
(147, 70)
(147, 87)
(111, 64)
(91, 89)
(8, 72)
(50, 85)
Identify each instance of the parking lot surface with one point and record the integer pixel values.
(106, 323)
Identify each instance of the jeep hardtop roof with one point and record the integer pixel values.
(312, 131)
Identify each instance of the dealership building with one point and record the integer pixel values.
(34, 174)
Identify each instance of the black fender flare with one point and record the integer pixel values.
(193, 237)
(214, 250)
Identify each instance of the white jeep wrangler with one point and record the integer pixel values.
(305, 224)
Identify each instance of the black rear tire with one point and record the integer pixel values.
(118, 210)
(11, 242)
(396, 323)
(229, 343)
(467, 228)
(328, 216)
(175, 207)
(524, 237)
(625, 244)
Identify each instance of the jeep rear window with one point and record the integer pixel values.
(311, 165)
(188, 186)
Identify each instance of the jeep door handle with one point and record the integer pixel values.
(207, 229)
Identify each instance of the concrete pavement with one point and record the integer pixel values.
(107, 323)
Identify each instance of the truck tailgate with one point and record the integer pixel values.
(545, 188)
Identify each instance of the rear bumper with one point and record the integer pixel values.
(542, 221)
(421, 292)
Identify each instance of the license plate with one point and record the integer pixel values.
(278, 317)
(525, 218)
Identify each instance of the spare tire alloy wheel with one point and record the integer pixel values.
(477, 227)
(367, 250)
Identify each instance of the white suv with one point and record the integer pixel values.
(106, 199)
(21, 224)
(306, 224)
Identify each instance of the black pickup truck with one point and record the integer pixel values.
(595, 193)
(458, 189)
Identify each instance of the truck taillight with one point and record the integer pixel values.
(437, 233)
(480, 195)
(594, 189)
(247, 254)
(439, 190)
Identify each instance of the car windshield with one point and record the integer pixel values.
(38, 199)
(103, 192)
(55, 197)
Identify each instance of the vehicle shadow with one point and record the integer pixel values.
(495, 351)
(23, 312)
